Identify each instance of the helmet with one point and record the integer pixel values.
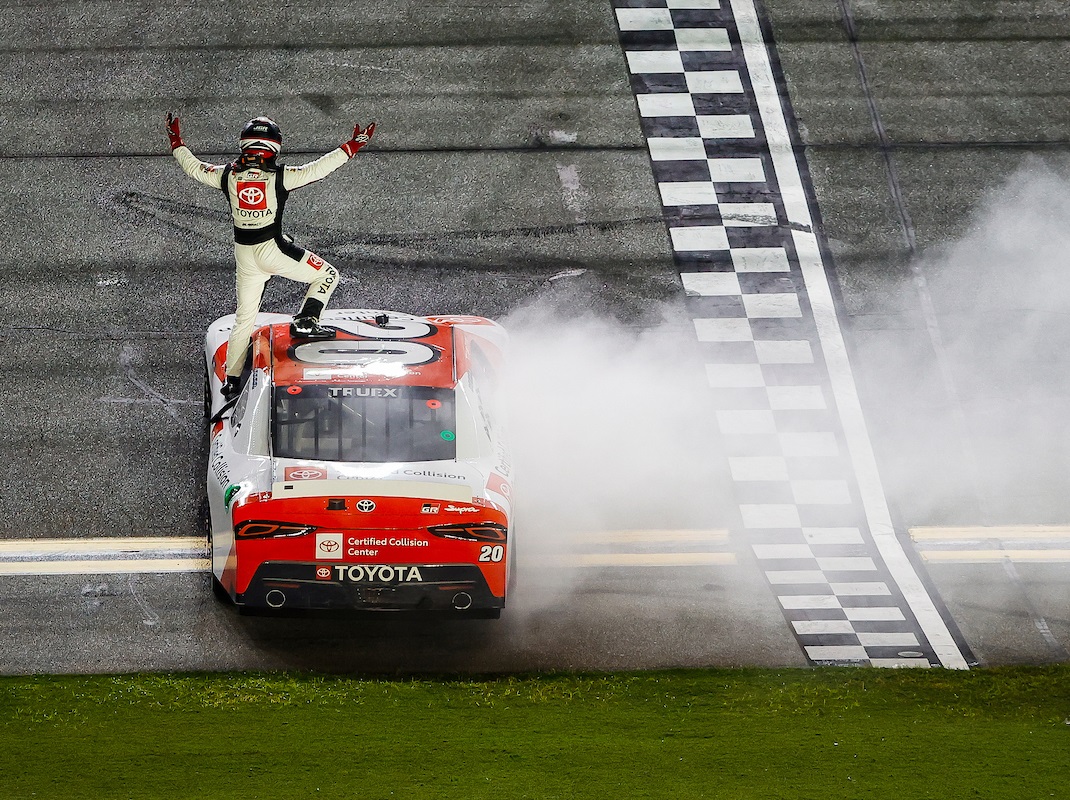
(261, 134)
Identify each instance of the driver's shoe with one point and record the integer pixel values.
(310, 328)
(231, 387)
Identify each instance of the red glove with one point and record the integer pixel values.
(360, 138)
(172, 131)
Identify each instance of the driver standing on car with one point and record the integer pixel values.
(256, 186)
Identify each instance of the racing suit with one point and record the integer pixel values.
(257, 197)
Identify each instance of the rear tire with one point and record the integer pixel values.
(207, 394)
(221, 594)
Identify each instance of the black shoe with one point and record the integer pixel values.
(310, 328)
(231, 387)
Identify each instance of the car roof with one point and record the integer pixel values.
(424, 353)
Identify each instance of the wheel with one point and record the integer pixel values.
(205, 520)
(207, 395)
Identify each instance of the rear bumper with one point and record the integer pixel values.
(456, 588)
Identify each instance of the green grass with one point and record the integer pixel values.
(822, 733)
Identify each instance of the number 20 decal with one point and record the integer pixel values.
(387, 345)
(491, 552)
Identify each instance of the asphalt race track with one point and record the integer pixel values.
(510, 176)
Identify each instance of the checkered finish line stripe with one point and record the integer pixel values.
(736, 206)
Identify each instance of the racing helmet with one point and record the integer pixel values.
(261, 134)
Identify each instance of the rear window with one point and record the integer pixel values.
(364, 423)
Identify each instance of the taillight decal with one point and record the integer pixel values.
(263, 529)
(471, 531)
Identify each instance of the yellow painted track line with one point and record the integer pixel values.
(652, 536)
(102, 545)
(980, 556)
(992, 532)
(104, 567)
(631, 560)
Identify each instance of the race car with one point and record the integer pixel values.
(364, 472)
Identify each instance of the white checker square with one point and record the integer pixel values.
(797, 602)
(725, 126)
(864, 589)
(795, 398)
(809, 445)
(704, 39)
(832, 535)
(817, 627)
(787, 577)
(722, 81)
(758, 468)
(734, 376)
(778, 551)
(665, 104)
(687, 193)
(795, 351)
(772, 306)
(757, 516)
(721, 329)
(843, 652)
(644, 19)
(761, 259)
(653, 61)
(710, 284)
(735, 170)
(684, 148)
(875, 614)
(823, 493)
(748, 215)
(847, 564)
(746, 422)
(893, 663)
(903, 639)
(699, 237)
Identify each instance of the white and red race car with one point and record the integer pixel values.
(364, 472)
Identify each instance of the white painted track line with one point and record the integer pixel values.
(832, 343)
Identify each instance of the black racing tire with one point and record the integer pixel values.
(205, 520)
(207, 394)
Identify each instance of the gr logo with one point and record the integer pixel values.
(329, 546)
(251, 195)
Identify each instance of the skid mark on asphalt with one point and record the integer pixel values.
(737, 205)
(127, 356)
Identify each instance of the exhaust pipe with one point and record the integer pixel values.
(462, 601)
(275, 598)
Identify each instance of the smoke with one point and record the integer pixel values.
(977, 411)
(611, 430)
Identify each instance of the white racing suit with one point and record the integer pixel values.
(257, 198)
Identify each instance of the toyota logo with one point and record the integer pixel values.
(252, 195)
(365, 505)
(304, 474)
(323, 573)
(329, 545)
